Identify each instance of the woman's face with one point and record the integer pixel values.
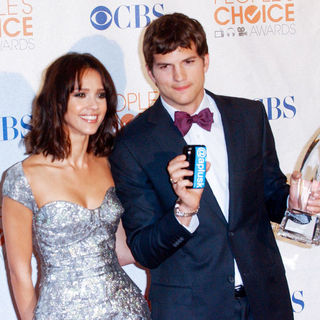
(87, 106)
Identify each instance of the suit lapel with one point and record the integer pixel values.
(234, 138)
(165, 133)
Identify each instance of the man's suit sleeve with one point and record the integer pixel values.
(152, 234)
(276, 190)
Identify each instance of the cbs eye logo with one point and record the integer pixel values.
(101, 18)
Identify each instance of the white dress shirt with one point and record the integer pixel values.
(217, 176)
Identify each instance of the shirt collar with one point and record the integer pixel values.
(207, 102)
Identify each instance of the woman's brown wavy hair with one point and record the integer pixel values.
(48, 134)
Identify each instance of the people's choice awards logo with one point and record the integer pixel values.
(125, 16)
(16, 28)
(132, 103)
(254, 18)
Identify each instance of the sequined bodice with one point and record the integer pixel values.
(74, 241)
(80, 274)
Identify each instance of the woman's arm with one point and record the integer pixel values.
(123, 252)
(17, 226)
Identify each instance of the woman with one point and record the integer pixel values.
(61, 201)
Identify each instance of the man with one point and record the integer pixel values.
(211, 252)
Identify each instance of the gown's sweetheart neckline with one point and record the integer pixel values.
(50, 203)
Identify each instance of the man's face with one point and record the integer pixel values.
(179, 76)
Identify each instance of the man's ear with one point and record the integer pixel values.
(150, 73)
(206, 62)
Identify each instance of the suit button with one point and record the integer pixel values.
(231, 234)
(178, 242)
(231, 279)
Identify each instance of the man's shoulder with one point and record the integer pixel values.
(238, 106)
(140, 124)
(233, 100)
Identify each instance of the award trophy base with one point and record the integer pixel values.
(298, 224)
(301, 227)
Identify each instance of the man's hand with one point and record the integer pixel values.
(309, 190)
(189, 198)
(313, 205)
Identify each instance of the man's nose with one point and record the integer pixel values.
(179, 73)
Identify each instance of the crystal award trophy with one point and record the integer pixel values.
(298, 224)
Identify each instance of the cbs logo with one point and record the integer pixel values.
(125, 16)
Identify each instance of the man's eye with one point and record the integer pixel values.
(164, 66)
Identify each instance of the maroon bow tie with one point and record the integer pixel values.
(184, 121)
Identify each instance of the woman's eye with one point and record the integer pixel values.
(80, 94)
(102, 95)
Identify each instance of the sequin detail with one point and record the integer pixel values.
(81, 278)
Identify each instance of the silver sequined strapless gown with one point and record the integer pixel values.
(81, 278)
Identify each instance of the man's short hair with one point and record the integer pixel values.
(170, 32)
